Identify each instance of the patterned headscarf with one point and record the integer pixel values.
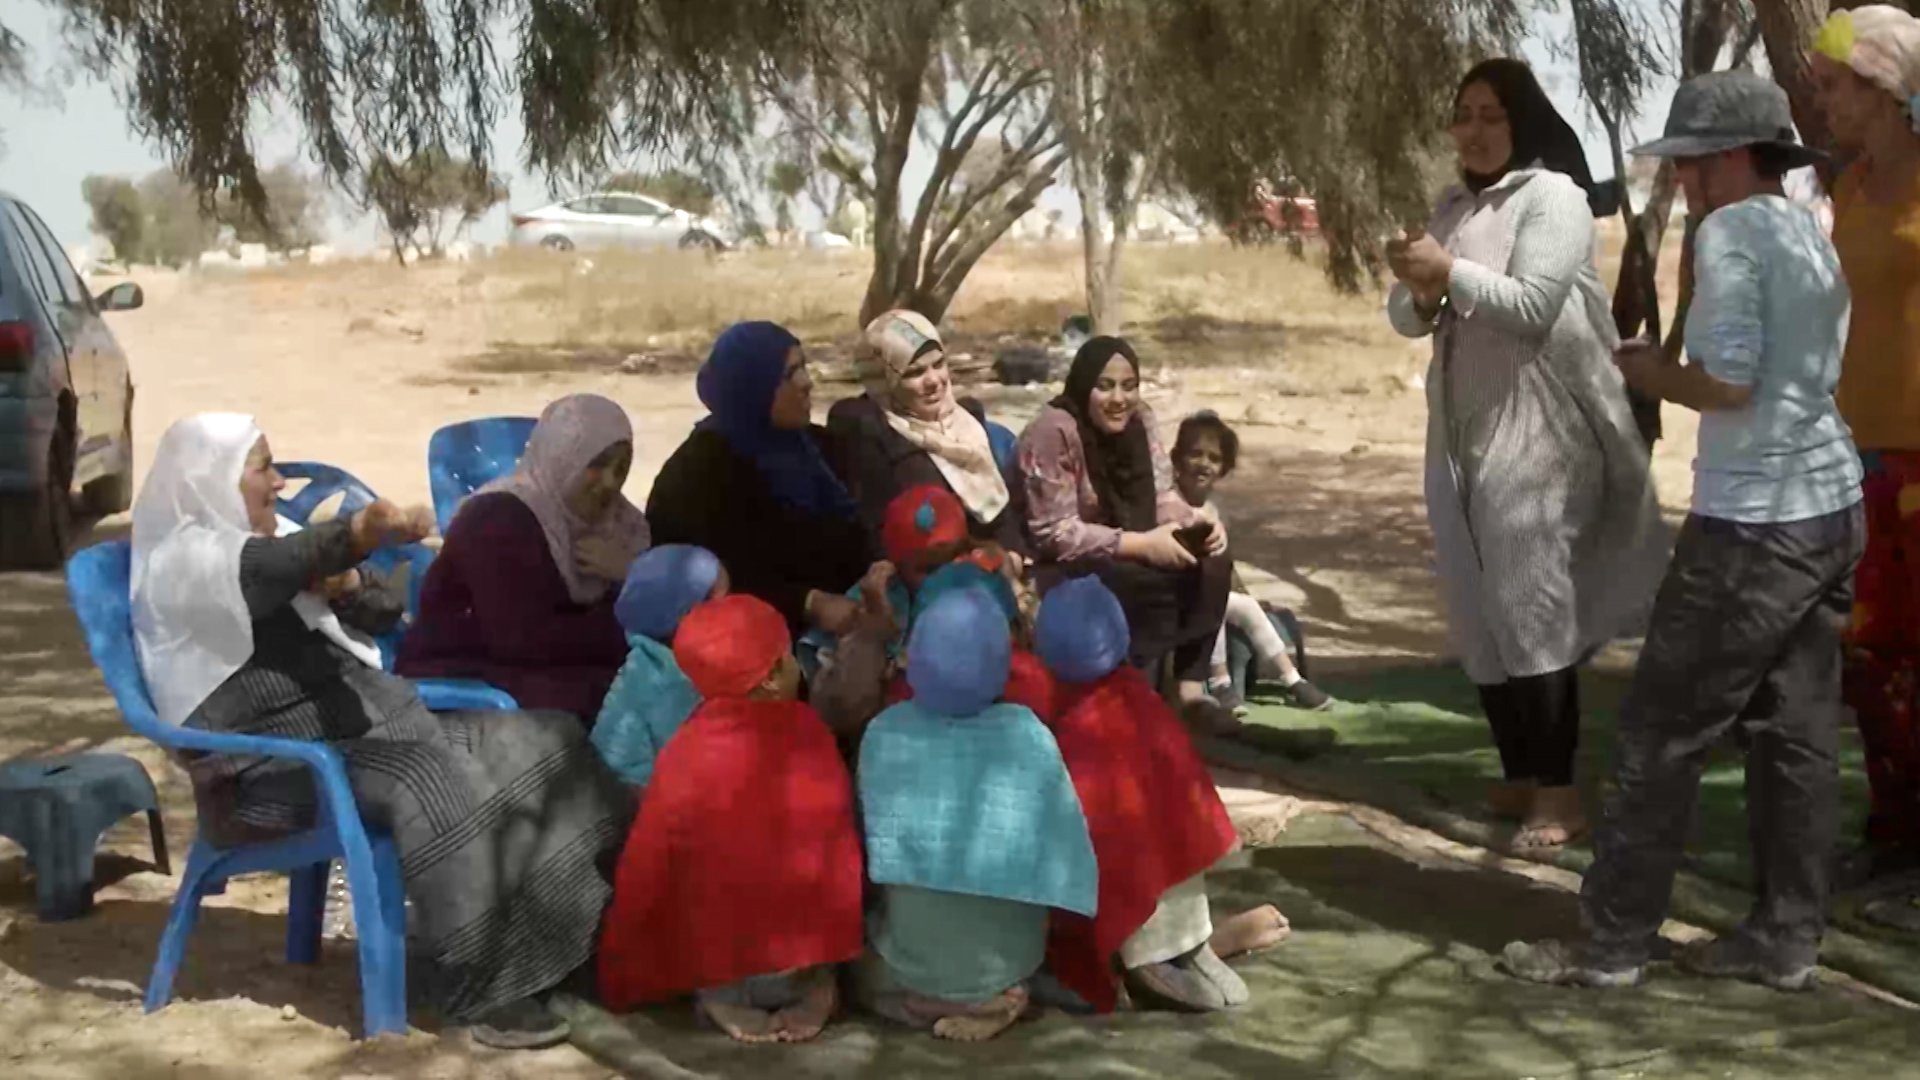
(955, 440)
(571, 433)
(1882, 45)
(729, 646)
(737, 384)
(662, 586)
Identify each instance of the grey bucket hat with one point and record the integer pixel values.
(1727, 110)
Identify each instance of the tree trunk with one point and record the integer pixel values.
(1788, 28)
(1100, 242)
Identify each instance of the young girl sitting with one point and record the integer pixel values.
(651, 697)
(741, 880)
(1204, 453)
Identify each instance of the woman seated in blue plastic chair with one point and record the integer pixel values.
(914, 431)
(233, 637)
(521, 594)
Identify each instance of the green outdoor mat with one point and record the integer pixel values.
(1412, 741)
(1389, 973)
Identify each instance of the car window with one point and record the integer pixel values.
(32, 260)
(592, 204)
(69, 282)
(633, 206)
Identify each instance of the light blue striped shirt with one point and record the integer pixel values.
(1770, 312)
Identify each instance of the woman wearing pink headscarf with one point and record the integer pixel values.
(522, 593)
(1866, 69)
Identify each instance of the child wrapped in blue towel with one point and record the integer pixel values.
(650, 697)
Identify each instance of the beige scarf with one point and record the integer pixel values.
(956, 441)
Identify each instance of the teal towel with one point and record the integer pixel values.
(647, 703)
(980, 805)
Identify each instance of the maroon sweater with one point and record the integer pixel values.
(494, 607)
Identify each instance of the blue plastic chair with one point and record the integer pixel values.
(1004, 442)
(98, 579)
(463, 457)
(321, 482)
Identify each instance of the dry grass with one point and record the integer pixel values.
(1214, 312)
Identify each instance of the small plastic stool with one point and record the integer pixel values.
(57, 808)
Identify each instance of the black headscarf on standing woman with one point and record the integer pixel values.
(1540, 134)
(1120, 467)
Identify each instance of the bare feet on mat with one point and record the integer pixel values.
(1554, 819)
(805, 1020)
(743, 1023)
(1509, 800)
(1250, 931)
(985, 1021)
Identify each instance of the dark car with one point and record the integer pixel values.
(66, 397)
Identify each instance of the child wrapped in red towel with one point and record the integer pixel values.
(1156, 820)
(741, 880)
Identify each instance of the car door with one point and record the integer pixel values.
(634, 221)
(663, 226)
(100, 374)
(586, 221)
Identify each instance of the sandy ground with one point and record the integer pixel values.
(359, 369)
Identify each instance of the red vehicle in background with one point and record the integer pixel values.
(1276, 211)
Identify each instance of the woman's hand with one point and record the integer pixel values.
(1217, 539)
(1421, 264)
(603, 557)
(340, 586)
(1159, 548)
(384, 524)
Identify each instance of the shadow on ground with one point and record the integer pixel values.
(1389, 973)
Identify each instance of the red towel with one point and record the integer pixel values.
(1029, 683)
(1155, 817)
(744, 860)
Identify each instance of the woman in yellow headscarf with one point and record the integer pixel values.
(1867, 71)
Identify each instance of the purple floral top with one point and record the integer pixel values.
(1062, 509)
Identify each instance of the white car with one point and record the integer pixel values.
(616, 219)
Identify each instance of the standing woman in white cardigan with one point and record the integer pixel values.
(1543, 514)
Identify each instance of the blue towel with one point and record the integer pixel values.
(647, 703)
(980, 805)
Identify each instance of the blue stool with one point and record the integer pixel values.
(57, 808)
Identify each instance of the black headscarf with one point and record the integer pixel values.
(1540, 133)
(1120, 467)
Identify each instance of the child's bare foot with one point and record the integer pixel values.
(1509, 800)
(1250, 931)
(744, 1023)
(984, 1021)
(804, 1021)
(1554, 819)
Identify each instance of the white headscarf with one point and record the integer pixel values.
(956, 442)
(190, 621)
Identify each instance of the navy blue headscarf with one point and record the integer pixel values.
(737, 384)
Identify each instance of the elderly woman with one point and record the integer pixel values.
(752, 485)
(522, 593)
(499, 818)
(1866, 67)
(1101, 500)
(915, 432)
(1538, 493)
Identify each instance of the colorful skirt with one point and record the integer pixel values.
(1883, 646)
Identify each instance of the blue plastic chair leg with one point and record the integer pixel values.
(186, 911)
(380, 921)
(306, 904)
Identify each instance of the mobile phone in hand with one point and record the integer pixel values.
(1194, 537)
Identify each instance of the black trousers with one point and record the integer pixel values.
(1173, 613)
(1536, 726)
(1745, 639)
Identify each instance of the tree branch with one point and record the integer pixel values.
(954, 271)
